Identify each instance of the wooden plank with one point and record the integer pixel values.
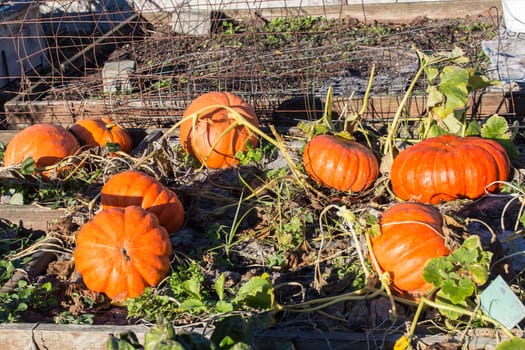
(400, 12)
(64, 337)
(31, 216)
(20, 114)
(138, 113)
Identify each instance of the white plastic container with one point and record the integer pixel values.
(514, 15)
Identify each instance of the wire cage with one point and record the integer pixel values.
(142, 61)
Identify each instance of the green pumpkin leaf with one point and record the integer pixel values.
(194, 305)
(431, 72)
(496, 127)
(223, 306)
(458, 291)
(28, 166)
(479, 81)
(443, 298)
(511, 344)
(434, 96)
(473, 129)
(436, 270)
(257, 292)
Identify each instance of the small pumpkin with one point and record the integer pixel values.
(339, 163)
(202, 137)
(448, 167)
(94, 132)
(411, 234)
(136, 188)
(46, 144)
(121, 251)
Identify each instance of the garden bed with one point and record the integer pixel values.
(260, 221)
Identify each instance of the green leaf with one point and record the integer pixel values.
(453, 124)
(434, 96)
(219, 286)
(459, 291)
(223, 306)
(479, 81)
(257, 292)
(194, 305)
(479, 273)
(511, 344)
(496, 127)
(231, 330)
(454, 86)
(443, 298)
(431, 72)
(473, 129)
(192, 287)
(28, 166)
(436, 270)
(113, 146)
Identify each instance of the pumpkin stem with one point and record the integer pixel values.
(125, 253)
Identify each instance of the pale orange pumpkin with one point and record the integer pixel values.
(202, 136)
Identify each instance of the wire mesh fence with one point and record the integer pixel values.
(142, 62)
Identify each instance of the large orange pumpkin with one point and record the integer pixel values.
(95, 132)
(121, 251)
(411, 234)
(136, 188)
(46, 144)
(448, 167)
(202, 137)
(340, 163)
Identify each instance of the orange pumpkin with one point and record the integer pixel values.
(136, 188)
(46, 144)
(411, 234)
(340, 163)
(448, 167)
(96, 132)
(203, 137)
(121, 251)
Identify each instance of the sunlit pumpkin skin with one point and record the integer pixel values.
(46, 144)
(411, 234)
(136, 188)
(448, 167)
(121, 251)
(339, 163)
(96, 132)
(202, 138)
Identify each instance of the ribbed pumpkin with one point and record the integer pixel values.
(121, 251)
(136, 188)
(340, 163)
(448, 167)
(95, 132)
(202, 137)
(411, 234)
(45, 143)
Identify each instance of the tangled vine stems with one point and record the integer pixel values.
(277, 142)
(349, 222)
(405, 342)
(425, 64)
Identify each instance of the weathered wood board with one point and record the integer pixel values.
(57, 336)
(30, 216)
(151, 113)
